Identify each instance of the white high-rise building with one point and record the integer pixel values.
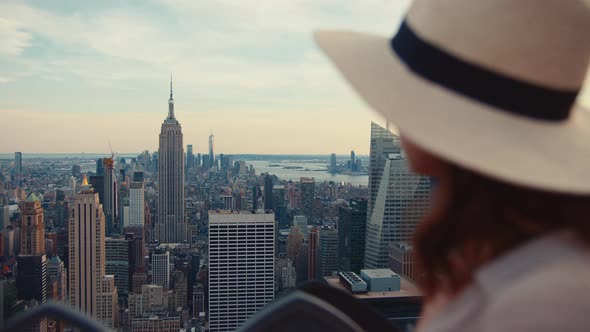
(398, 198)
(241, 266)
(91, 290)
(136, 203)
(171, 224)
(161, 269)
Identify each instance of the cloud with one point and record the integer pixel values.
(14, 40)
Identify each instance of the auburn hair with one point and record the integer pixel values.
(476, 219)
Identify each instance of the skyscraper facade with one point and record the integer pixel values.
(211, 152)
(136, 203)
(110, 202)
(312, 253)
(333, 166)
(352, 230)
(398, 199)
(328, 252)
(171, 225)
(241, 266)
(32, 227)
(268, 197)
(161, 269)
(190, 157)
(56, 272)
(91, 290)
(117, 262)
(307, 198)
(18, 163)
(280, 205)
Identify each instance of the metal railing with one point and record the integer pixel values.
(56, 311)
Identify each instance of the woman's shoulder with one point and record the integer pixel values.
(549, 295)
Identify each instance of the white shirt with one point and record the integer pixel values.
(543, 285)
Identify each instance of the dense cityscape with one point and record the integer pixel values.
(177, 240)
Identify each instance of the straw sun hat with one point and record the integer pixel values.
(489, 84)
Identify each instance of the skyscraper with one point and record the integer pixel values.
(161, 269)
(328, 252)
(56, 272)
(333, 167)
(190, 157)
(171, 225)
(91, 290)
(32, 227)
(31, 276)
(18, 163)
(241, 266)
(398, 198)
(352, 230)
(307, 198)
(211, 152)
(280, 205)
(255, 195)
(110, 202)
(117, 262)
(268, 197)
(136, 203)
(312, 253)
(31, 280)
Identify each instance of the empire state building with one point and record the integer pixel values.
(171, 224)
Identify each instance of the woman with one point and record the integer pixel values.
(484, 93)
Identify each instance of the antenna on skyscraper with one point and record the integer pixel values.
(111, 148)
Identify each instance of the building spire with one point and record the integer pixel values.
(171, 102)
(170, 86)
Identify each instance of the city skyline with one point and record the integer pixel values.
(235, 66)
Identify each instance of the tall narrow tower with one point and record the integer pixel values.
(171, 225)
(211, 152)
(32, 227)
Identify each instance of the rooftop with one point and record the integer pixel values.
(408, 289)
(379, 273)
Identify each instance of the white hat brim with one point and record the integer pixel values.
(552, 156)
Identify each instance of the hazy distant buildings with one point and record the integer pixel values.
(91, 290)
(333, 166)
(352, 230)
(190, 157)
(171, 224)
(398, 198)
(241, 266)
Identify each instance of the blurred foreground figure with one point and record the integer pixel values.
(484, 94)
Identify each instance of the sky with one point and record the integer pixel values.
(76, 75)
